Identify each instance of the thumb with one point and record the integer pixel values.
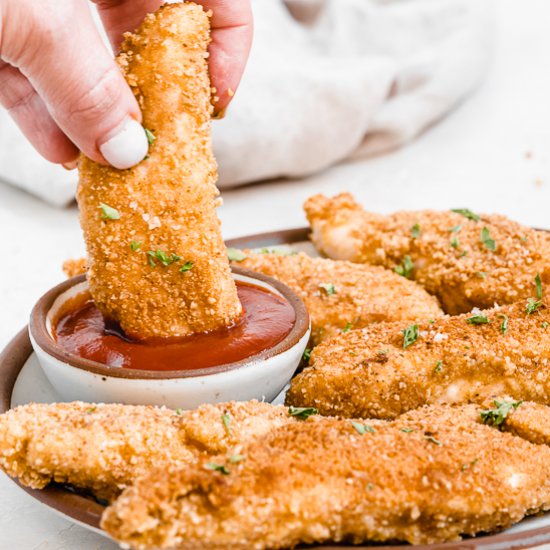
(68, 65)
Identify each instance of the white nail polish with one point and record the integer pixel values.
(128, 147)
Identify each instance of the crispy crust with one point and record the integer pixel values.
(104, 448)
(367, 373)
(168, 201)
(445, 476)
(342, 229)
(363, 294)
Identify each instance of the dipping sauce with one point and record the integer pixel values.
(267, 319)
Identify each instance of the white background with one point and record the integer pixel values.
(492, 155)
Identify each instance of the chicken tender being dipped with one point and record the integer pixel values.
(464, 259)
(387, 369)
(341, 296)
(433, 475)
(156, 258)
(105, 448)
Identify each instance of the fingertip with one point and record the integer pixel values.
(126, 146)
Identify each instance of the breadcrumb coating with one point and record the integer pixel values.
(74, 267)
(433, 475)
(157, 263)
(465, 262)
(368, 373)
(105, 448)
(341, 296)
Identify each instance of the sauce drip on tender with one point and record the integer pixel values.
(267, 318)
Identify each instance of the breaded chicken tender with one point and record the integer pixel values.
(434, 475)
(387, 369)
(105, 448)
(74, 267)
(464, 259)
(157, 261)
(341, 296)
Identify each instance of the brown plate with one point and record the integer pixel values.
(87, 512)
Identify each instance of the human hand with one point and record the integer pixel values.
(64, 90)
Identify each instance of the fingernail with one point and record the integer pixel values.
(220, 114)
(70, 165)
(126, 148)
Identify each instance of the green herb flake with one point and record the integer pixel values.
(276, 250)
(504, 324)
(363, 428)
(454, 242)
(486, 239)
(544, 324)
(179, 412)
(463, 253)
(150, 136)
(235, 459)
(410, 335)
(405, 268)
(497, 416)
(217, 468)
(455, 229)
(415, 231)
(432, 439)
(468, 465)
(226, 420)
(438, 366)
(90, 410)
(307, 354)
(329, 288)
(108, 212)
(303, 413)
(538, 286)
(532, 305)
(481, 274)
(370, 486)
(466, 213)
(154, 256)
(407, 430)
(187, 266)
(478, 319)
(236, 255)
(135, 246)
(347, 328)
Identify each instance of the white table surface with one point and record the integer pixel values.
(492, 154)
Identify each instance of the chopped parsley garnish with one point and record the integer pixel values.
(236, 255)
(135, 246)
(108, 212)
(329, 288)
(91, 410)
(150, 136)
(454, 242)
(532, 305)
(405, 268)
(504, 324)
(363, 428)
(415, 231)
(407, 430)
(234, 459)
(468, 465)
(410, 335)
(154, 256)
(497, 416)
(347, 328)
(179, 412)
(455, 229)
(303, 413)
(463, 253)
(187, 266)
(544, 324)
(478, 319)
(466, 213)
(307, 354)
(438, 366)
(226, 419)
(486, 239)
(432, 439)
(538, 285)
(481, 274)
(217, 468)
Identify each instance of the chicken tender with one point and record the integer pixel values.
(341, 296)
(104, 448)
(431, 476)
(385, 370)
(157, 260)
(464, 259)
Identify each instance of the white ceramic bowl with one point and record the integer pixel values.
(262, 376)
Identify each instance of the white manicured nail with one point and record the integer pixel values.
(128, 147)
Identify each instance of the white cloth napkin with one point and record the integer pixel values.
(327, 80)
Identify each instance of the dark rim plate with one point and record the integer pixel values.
(87, 511)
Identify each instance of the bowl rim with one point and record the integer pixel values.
(39, 334)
